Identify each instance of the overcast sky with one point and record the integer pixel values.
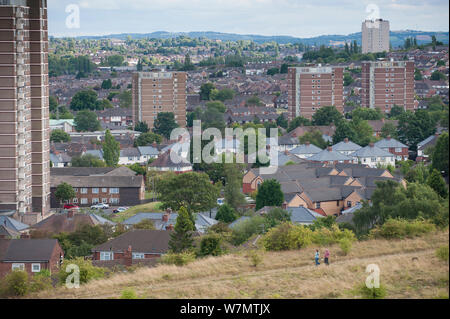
(299, 18)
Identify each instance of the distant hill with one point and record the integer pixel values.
(397, 37)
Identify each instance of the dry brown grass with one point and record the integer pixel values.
(288, 274)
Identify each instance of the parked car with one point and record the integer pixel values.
(100, 206)
(220, 201)
(71, 206)
(120, 209)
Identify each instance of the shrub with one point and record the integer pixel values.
(246, 229)
(129, 294)
(14, 284)
(211, 245)
(372, 293)
(226, 214)
(287, 237)
(180, 259)
(327, 236)
(41, 281)
(346, 245)
(256, 257)
(401, 228)
(88, 272)
(442, 253)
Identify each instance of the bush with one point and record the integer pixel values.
(180, 259)
(288, 237)
(442, 253)
(246, 229)
(14, 284)
(256, 257)
(401, 228)
(211, 245)
(129, 294)
(41, 281)
(373, 293)
(88, 272)
(346, 245)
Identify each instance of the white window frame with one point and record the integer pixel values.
(32, 267)
(95, 190)
(18, 266)
(84, 190)
(138, 256)
(114, 190)
(84, 201)
(106, 255)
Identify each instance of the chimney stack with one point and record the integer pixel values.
(25, 236)
(372, 145)
(128, 257)
(284, 206)
(346, 140)
(170, 227)
(388, 137)
(330, 149)
(308, 143)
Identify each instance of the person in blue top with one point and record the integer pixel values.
(317, 257)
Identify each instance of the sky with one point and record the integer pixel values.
(298, 18)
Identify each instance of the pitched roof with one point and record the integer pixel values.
(130, 152)
(306, 149)
(329, 156)
(165, 160)
(429, 141)
(8, 232)
(371, 151)
(346, 146)
(390, 143)
(302, 215)
(26, 250)
(58, 223)
(140, 240)
(148, 150)
(79, 171)
(13, 224)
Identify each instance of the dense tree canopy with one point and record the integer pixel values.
(86, 121)
(164, 124)
(326, 115)
(269, 194)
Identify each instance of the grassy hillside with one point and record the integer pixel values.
(145, 208)
(409, 269)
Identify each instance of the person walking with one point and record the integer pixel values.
(326, 257)
(317, 257)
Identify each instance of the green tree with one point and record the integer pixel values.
(164, 124)
(111, 150)
(147, 139)
(436, 182)
(298, 121)
(415, 127)
(86, 121)
(367, 114)
(87, 160)
(64, 193)
(205, 91)
(269, 194)
(327, 115)
(389, 129)
(439, 156)
(222, 95)
(141, 127)
(53, 104)
(181, 239)
(107, 84)
(253, 101)
(348, 79)
(191, 190)
(438, 76)
(233, 185)
(59, 136)
(314, 137)
(344, 130)
(396, 111)
(125, 99)
(84, 100)
(137, 168)
(226, 214)
(115, 60)
(364, 132)
(282, 121)
(211, 245)
(276, 216)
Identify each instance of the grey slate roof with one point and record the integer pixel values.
(429, 141)
(27, 250)
(130, 152)
(148, 150)
(370, 151)
(302, 215)
(13, 224)
(96, 153)
(346, 146)
(8, 232)
(329, 156)
(140, 240)
(306, 149)
(390, 143)
(238, 221)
